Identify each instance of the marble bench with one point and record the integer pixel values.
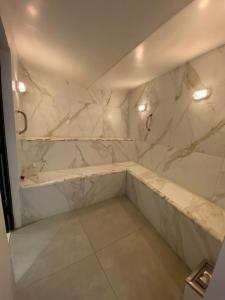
(50, 193)
(192, 226)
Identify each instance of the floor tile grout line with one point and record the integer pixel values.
(107, 278)
(116, 240)
(64, 222)
(64, 267)
(45, 249)
(56, 272)
(101, 267)
(110, 244)
(94, 252)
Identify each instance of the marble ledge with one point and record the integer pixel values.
(44, 139)
(52, 177)
(202, 212)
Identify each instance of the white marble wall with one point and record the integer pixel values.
(48, 155)
(187, 139)
(59, 107)
(73, 126)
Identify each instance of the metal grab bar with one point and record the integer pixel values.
(148, 122)
(25, 121)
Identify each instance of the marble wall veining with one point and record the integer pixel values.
(49, 155)
(187, 138)
(70, 126)
(59, 107)
(189, 241)
(42, 201)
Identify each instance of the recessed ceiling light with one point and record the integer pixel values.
(142, 107)
(201, 94)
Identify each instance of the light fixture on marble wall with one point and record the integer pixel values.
(142, 107)
(21, 87)
(202, 94)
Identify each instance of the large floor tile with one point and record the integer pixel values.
(134, 214)
(69, 245)
(28, 242)
(84, 280)
(136, 269)
(108, 223)
(137, 262)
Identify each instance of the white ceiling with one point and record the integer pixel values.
(198, 28)
(86, 38)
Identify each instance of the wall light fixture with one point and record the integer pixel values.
(142, 107)
(21, 87)
(202, 94)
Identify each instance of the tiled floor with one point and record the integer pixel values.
(105, 252)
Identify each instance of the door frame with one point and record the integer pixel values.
(5, 187)
(10, 102)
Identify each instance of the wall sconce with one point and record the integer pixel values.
(202, 94)
(21, 87)
(142, 107)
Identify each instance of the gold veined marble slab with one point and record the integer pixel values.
(49, 155)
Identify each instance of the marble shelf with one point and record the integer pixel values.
(72, 139)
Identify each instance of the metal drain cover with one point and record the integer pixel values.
(200, 278)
